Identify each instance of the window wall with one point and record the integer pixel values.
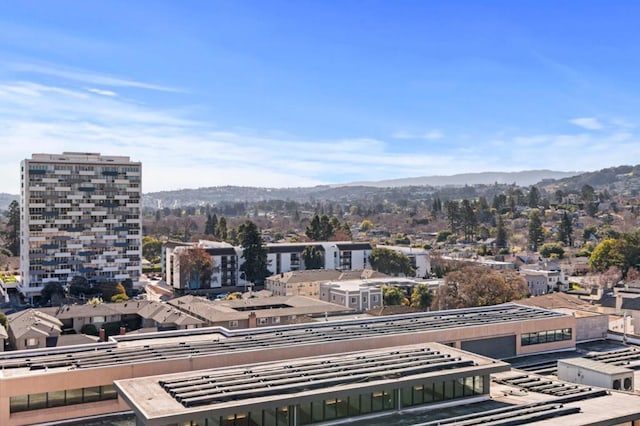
(363, 404)
(547, 336)
(37, 401)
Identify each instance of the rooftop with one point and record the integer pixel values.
(217, 340)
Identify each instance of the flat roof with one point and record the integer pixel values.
(218, 340)
(593, 365)
(193, 393)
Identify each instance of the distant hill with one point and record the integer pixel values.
(523, 178)
(344, 192)
(623, 180)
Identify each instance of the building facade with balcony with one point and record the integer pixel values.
(80, 216)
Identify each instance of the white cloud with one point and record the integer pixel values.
(180, 152)
(101, 92)
(431, 135)
(589, 123)
(87, 77)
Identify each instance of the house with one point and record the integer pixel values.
(31, 329)
(307, 283)
(355, 294)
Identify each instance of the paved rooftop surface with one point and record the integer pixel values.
(163, 345)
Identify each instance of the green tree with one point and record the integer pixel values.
(51, 292)
(552, 250)
(565, 230)
(313, 258)
(421, 296)
(453, 216)
(622, 252)
(366, 225)
(322, 228)
(536, 233)
(392, 296)
(391, 262)
(221, 229)
(533, 198)
(469, 222)
(196, 268)
(151, 249)
(12, 229)
(501, 234)
(254, 253)
(120, 295)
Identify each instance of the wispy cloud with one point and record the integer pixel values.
(86, 77)
(589, 123)
(431, 135)
(101, 92)
(178, 151)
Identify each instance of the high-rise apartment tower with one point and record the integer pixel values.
(80, 216)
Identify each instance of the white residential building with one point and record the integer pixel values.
(341, 255)
(80, 216)
(419, 258)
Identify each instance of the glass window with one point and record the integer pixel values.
(19, 403)
(468, 386)
(317, 411)
(37, 400)
(558, 336)
(377, 401)
(109, 392)
(56, 399)
(389, 399)
(478, 387)
(458, 388)
(566, 334)
(342, 408)
(74, 396)
(438, 391)
(304, 413)
(365, 403)
(428, 393)
(542, 337)
(92, 394)
(354, 405)
(330, 409)
(448, 389)
(282, 416)
(525, 340)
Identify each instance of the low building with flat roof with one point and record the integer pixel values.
(54, 384)
(313, 390)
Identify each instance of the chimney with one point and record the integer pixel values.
(103, 335)
(253, 320)
(619, 300)
(123, 331)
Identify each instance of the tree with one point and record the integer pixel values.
(469, 222)
(196, 268)
(479, 286)
(221, 228)
(254, 253)
(4, 321)
(313, 258)
(12, 229)
(120, 295)
(622, 252)
(536, 233)
(321, 228)
(565, 230)
(533, 198)
(211, 224)
(391, 262)
(501, 234)
(421, 296)
(366, 225)
(392, 296)
(151, 249)
(80, 286)
(552, 250)
(453, 216)
(51, 292)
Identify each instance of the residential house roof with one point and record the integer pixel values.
(32, 320)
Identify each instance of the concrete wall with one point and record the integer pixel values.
(592, 327)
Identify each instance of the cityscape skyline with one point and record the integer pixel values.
(283, 95)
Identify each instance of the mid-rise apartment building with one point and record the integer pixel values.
(80, 216)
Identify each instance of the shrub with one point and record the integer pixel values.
(89, 329)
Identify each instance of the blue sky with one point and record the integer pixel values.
(298, 93)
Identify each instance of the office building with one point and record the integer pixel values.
(80, 216)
